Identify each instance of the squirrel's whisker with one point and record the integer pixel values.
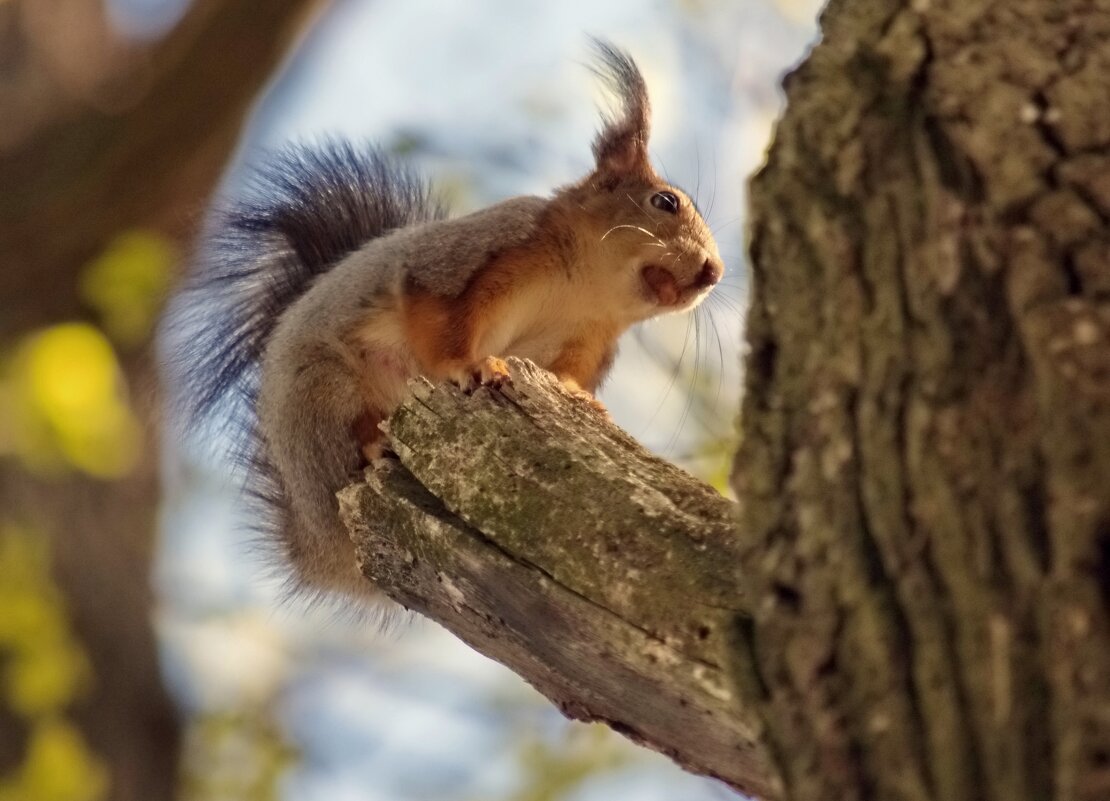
(335, 276)
(634, 227)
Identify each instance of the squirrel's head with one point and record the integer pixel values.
(647, 241)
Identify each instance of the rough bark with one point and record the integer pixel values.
(915, 602)
(551, 541)
(925, 469)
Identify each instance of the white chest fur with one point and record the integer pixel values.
(542, 319)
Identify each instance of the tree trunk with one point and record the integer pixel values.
(98, 136)
(918, 605)
(925, 468)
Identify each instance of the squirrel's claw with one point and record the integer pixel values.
(582, 396)
(586, 397)
(493, 372)
(490, 372)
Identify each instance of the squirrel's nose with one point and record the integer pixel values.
(709, 275)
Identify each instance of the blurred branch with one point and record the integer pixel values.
(549, 540)
(88, 168)
(99, 135)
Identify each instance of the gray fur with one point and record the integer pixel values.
(315, 381)
(291, 324)
(622, 140)
(302, 211)
(441, 257)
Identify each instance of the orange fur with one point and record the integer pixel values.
(371, 288)
(582, 362)
(565, 282)
(448, 334)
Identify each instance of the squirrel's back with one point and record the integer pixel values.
(301, 211)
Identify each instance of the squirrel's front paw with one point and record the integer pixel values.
(372, 440)
(586, 397)
(490, 372)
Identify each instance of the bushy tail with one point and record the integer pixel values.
(302, 210)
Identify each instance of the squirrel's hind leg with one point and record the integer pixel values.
(372, 441)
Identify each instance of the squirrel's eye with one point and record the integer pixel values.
(665, 201)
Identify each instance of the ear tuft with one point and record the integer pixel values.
(621, 145)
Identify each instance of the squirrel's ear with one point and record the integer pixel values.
(621, 146)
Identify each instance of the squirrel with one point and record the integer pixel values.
(337, 277)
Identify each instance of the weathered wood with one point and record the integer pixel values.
(551, 541)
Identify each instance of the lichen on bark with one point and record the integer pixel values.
(551, 541)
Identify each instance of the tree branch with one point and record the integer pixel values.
(89, 170)
(549, 540)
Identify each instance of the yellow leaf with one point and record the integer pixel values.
(58, 767)
(127, 283)
(69, 405)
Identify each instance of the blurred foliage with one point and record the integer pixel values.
(553, 770)
(42, 671)
(712, 462)
(63, 400)
(799, 11)
(234, 757)
(127, 284)
(63, 406)
(58, 767)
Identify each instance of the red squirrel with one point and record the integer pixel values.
(336, 278)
